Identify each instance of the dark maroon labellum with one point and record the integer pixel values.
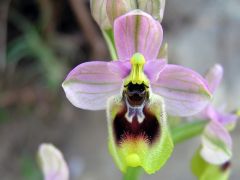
(149, 129)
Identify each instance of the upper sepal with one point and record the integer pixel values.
(139, 32)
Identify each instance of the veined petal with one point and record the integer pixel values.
(137, 32)
(89, 85)
(153, 68)
(216, 144)
(52, 163)
(214, 77)
(185, 92)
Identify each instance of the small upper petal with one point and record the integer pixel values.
(135, 32)
(185, 92)
(214, 77)
(89, 85)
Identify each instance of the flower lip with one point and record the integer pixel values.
(134, 130)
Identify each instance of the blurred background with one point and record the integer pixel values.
(42, 40)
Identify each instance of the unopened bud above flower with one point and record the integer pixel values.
(116, 8)
(98, 10)
(106, 11)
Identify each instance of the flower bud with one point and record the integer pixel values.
(116, 8)
(106, 11)
(98, 10)
(52, 163)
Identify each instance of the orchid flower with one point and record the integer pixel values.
(137, 90)
(216, 140)
(52, 163)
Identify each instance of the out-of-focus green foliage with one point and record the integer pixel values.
(4, 115)
(29, 169)
(31, 44)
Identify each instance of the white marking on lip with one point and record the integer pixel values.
(135, 111)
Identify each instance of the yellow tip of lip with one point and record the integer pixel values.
(133, 160)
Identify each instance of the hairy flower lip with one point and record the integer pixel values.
(148, 130)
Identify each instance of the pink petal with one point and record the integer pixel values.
(216, 144)
(214, 77)
(220, 116)
(122, 67)
(185, 91)
(52, 163)
(135, 32)
(89, 85)
(153, 68)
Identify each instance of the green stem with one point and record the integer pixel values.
(187, 130)
(132, 173)
(108, 36)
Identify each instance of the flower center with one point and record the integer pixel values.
(137, 75)
(135, 121)
(136, 85)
